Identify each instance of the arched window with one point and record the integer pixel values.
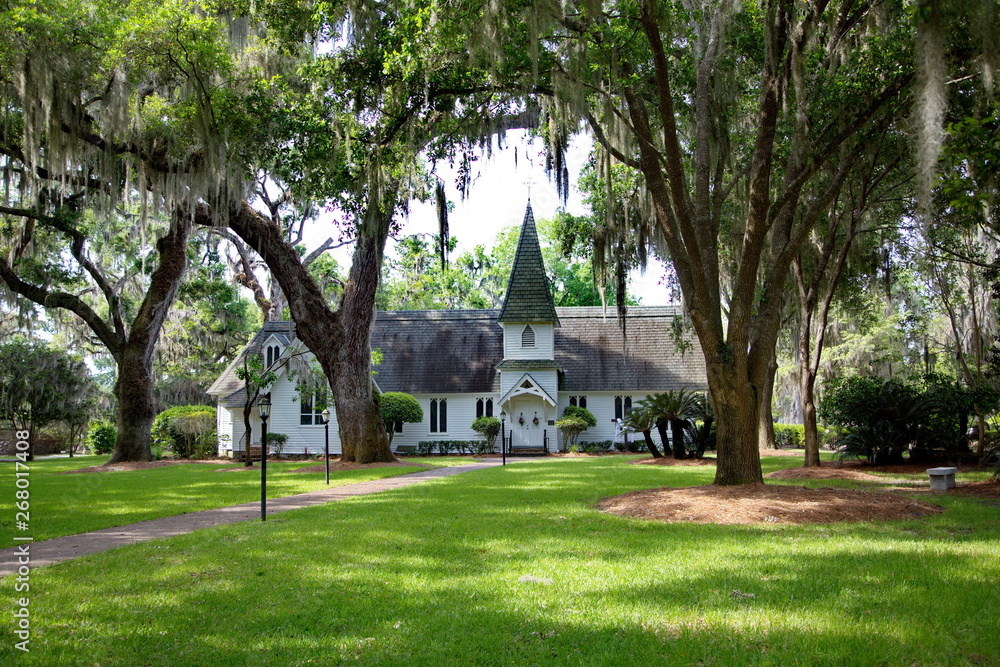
(271, 355)
(623, 404)
(484, 407)
(528, 336)
(439, 415)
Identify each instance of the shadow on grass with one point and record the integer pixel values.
(433, 574)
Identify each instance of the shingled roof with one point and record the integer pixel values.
(529, 297)
(438, 351)
(460, 351)
(595, 356)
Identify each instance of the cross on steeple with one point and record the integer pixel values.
(528, 183)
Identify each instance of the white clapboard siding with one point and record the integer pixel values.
(544, 341)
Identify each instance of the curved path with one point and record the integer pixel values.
(60, 549)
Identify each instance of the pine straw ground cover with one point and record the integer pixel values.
(517, 565)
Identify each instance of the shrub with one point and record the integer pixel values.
(583, 414)
(789, 436)
(599, 447)
(481, 447)
(276, 442)
(571, 428)
(101, 437)
(398, 407)
(489, 428)
(186, 430)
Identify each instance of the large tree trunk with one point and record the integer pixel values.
(363, 438)
(134, 391)
(134, 386)
(735, 404)
(340, 340)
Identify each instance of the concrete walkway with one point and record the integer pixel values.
(60, 549)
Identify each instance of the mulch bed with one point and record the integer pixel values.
(758, 504)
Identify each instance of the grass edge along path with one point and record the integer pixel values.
(60, 549)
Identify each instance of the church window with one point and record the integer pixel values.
(308, 414)
(578, 401)
(439, 415)
(623, 405)
(527, 336)
(271, 355)
(484, 407)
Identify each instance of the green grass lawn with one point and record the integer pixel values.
(514, 566)
(69, 504)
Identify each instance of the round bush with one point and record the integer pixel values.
(101, 437)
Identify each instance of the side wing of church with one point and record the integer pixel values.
(528, 359)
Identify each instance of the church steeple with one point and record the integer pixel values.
(529, 297)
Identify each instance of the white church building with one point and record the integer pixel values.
(528, 359)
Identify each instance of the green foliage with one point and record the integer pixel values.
(583, 414)
(399, 407)
(571, 428)
(276, 442)
(489, 428)
(186, 430)
(886, 418)
(101, 437)
(40, 384)
(445, 447)
(788, 436)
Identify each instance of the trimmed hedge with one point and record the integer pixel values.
(442, 447)
(789, 436)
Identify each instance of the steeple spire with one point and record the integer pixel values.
(529, 297)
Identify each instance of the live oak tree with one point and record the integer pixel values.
(83, 149)
(730, 112)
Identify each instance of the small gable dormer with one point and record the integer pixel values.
(271, 351)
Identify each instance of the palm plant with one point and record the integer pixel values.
(642, 420)
(676, 408)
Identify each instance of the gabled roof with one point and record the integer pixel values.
(528, 385)
(529, 296)
(228, 384)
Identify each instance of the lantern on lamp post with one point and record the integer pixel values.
(264, 407)
(326, 442)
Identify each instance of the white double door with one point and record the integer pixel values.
(528, 434)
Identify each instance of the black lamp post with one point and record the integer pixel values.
(503, 436)
(326, 441)
(264, 406)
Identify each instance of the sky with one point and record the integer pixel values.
(498, 197)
